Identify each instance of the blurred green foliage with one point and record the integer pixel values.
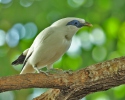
(21, 20)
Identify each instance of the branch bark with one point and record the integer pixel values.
(70, 85)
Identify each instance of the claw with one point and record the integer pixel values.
(69, 71)
(45, 72)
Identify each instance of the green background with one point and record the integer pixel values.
(22, 20)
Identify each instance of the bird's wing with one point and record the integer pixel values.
(42, 36)
(21, 58)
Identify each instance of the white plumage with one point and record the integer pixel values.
(51, 44)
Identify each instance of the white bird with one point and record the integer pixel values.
(50, 45)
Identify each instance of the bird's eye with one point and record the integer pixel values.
(74, 23)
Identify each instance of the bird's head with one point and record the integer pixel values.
(72, 23)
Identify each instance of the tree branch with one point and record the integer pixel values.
(70, 86)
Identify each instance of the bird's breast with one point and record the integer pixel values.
(50, 50)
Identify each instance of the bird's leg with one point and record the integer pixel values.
(49, 67)
(37, 70)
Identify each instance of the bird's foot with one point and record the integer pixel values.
(55, 71)
(41, 71)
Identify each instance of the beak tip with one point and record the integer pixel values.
(90, 25)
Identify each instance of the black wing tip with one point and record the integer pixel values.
(19, 60)
(14, 62)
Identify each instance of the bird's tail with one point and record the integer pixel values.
(27, 69)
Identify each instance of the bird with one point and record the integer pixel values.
(50, 44)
